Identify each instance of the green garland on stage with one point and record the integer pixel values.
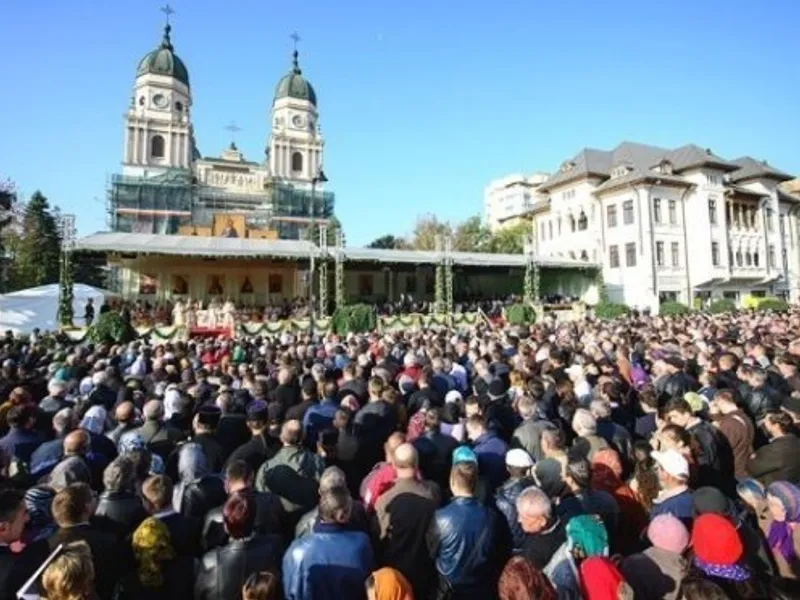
(66, 295)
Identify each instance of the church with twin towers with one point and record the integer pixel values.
(167, 186)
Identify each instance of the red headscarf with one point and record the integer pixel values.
(600, 579)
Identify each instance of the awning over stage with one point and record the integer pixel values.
(217, 247)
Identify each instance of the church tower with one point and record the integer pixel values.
(296, 145)
(158, 125)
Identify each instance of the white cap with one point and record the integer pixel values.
(519, 458)
(453, 396)
(673, 462)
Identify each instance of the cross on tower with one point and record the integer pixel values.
(233, 128)
(167, 10)
(295, 39)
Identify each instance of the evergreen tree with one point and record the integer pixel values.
(36, 257)
(7, 198)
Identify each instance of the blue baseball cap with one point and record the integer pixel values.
(463, 454)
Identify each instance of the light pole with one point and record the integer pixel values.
(318, 178)
(66, 294)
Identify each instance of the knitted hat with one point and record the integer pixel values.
(789, 496)
(601, 580)
(709, 499)
(668, 533)
(716, 541)
(463, 454)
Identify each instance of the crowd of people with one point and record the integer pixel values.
(647, 457)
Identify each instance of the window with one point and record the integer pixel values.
(713, 179)
(572, 223)
(179, 107)
(613, 257)
(675, 250)
(611, 215)
(568, 195)
(411, 283)
(297, 162)
(630, 255)
(657, 210)
(771, 257)
(583, 222)
(672, 207)
(550, 228)
(748, 258)
(141, 100)
(275, 283)
(755, 259)
(660, 254)
(157, 147)
(627, 212)
(712, 211)
(738, 258)
(715, 253)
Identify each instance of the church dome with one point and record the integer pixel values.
(294, 85)
(164, 61)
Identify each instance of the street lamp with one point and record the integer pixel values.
(318, 178)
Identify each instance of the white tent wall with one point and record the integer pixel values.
(25, 310)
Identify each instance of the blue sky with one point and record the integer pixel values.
(421, 103)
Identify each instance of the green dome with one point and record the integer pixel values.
(163, 61)
(294, 85)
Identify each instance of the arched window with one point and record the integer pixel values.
(157, 147)
(179, 106)
(297, 162)
(583, 222)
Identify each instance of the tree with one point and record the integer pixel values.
(388, 242)
(510, 240)
(472, 236)
(36, 251)
(88, 269)
(427, 229)
(7, 199)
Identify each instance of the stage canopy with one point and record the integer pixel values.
(25, 310)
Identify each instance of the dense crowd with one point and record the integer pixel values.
(649, 458)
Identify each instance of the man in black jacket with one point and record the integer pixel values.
(16, 567)
(779, 460)
(261, 446)
(119, 509)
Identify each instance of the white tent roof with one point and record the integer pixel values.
(25, 310)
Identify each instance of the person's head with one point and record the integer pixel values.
(260, 585)
(153, 410)
(152, 547)
(552, 441)
(332, 477)
(475, 427)
(716, 541)
(778, 423)
(520, 580)
(586, 537)
(678, 412)
(787, 365)
(783, 501)
(578, 475)
(76, 443)
(725, 401)
(335, 506)
(238, 476)
(125, 413)
(64, 421)
(157, 493)
(391, 445)
(600, 578)
(757, 378)
(120, 475)
(406, 461)
(667, 532)
(464, 479)
(239, 515)
(518, 463)
(584, 423)
(600, 409)
(375, 388)
(13, 515)
(22, 416)
(388, 583)
(672, 468)
(292, 433)
(696, 587)
(73, 505)
(675, 437)
(71, 574)
(534, 510)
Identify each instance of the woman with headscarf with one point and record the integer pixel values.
(159, 574)
(607, 477)
(197, 490)
(40, 525)
(133, 441)
(388, 584)
(520, 580)
(586, 537)
(782, 526)
(601, 580)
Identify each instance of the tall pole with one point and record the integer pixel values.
(65, 289)
(323, 271)
(339, 270)
(448, 278)
(318, 178)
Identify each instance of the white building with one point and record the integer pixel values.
(510, 197)
(681, 224)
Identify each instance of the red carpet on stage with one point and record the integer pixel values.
(214, 332)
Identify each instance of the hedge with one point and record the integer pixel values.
(673, 308)
(775, 304)
(610, 310)
(111, 327)
(722, 305)
(353, 318)
(520, 314)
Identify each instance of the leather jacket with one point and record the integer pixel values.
(268, 520)
(201, 496)
(761, 400)
(505, 500)
(119, 512)
(468, 560)
(675, 385)
(223, 571)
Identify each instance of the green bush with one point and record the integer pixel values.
(722, 305)
(775, 304)
(610, 310)
(520, 314)
(673, 308)
(353, 318)
(111, 327)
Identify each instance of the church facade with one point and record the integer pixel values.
(166, 186)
